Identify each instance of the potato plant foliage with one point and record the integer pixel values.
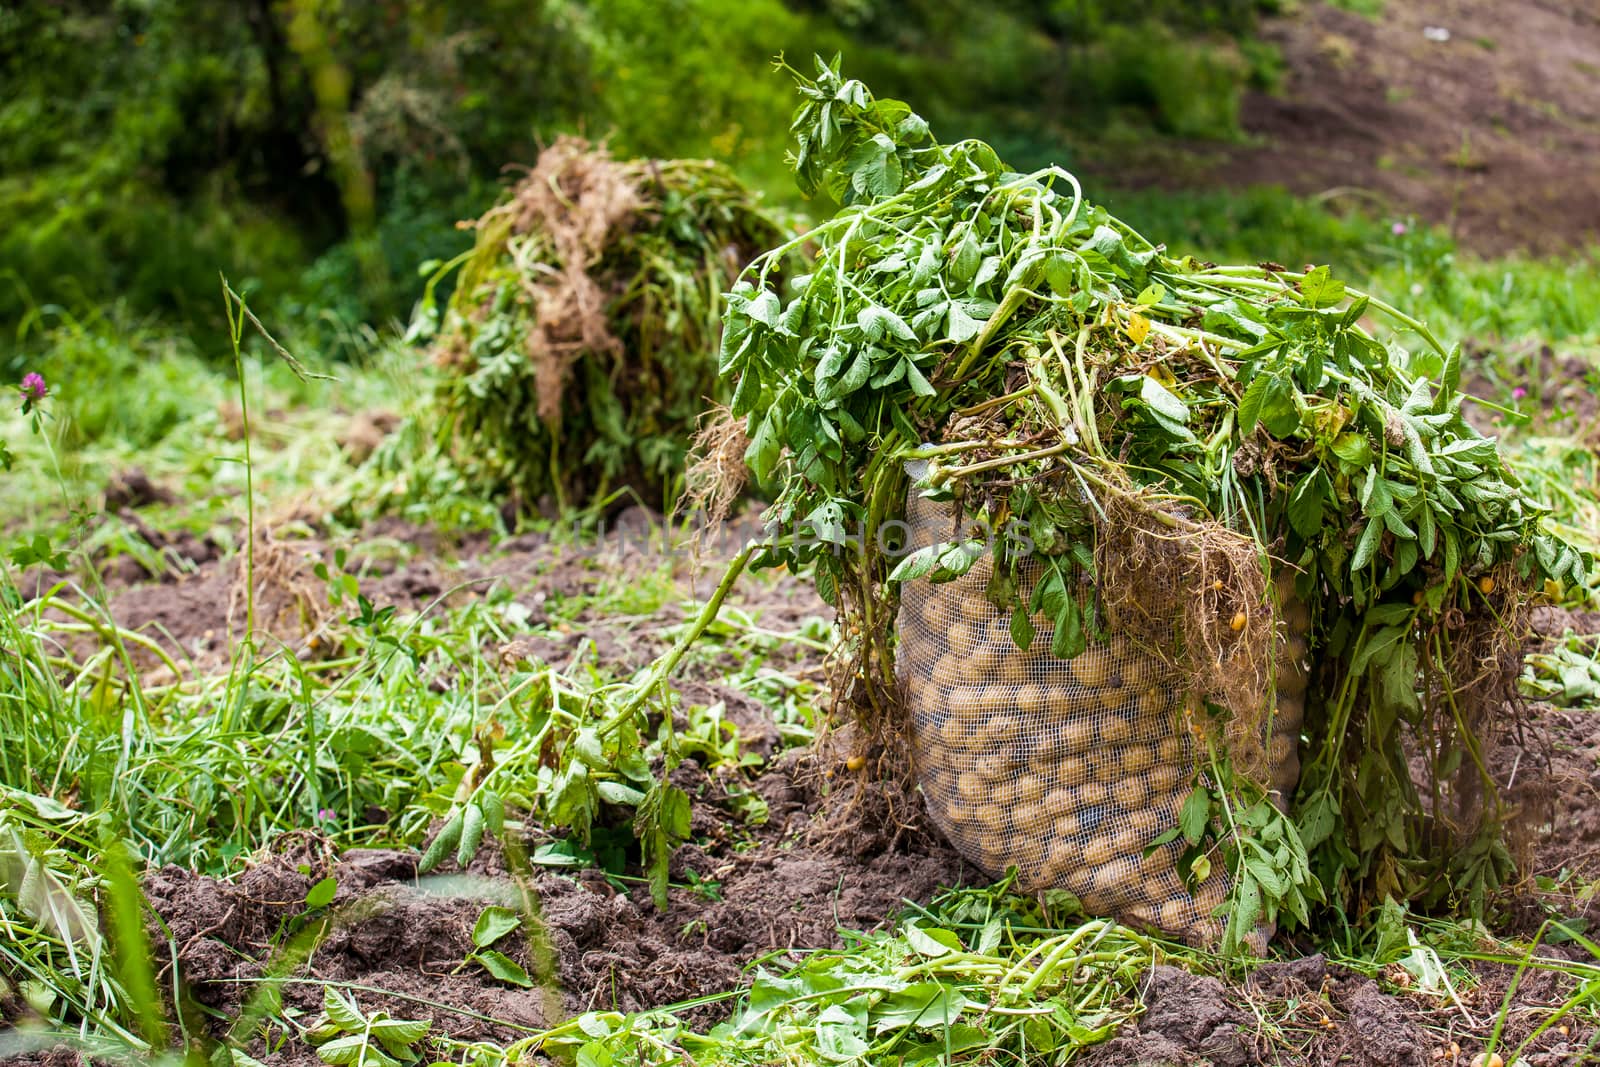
(579, 344)
(1057, 368)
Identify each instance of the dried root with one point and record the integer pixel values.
(561, 217)
(717, 473)
(1196, 594)
(288, 602)
(1474, 703)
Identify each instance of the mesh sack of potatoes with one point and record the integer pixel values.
(1067, 770)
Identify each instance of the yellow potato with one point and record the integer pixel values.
(1138, 669)
(1000, 731)
(1099, 851)
(1136, 759)
(1118, 877)
(1173, 750)
(1061, 860)
(1211, 892)
(1029, 820)
(994, 629)
(1291, 711)
(1030, 789)
(1057, 801)
(1167, 779)
(1283, 748)
(995, 767)
(1029, 668)
(1177, 915)
(1041, 757)
(950, 671)
(1131, 792)
(995, 665)
(1297, 651)
(1115, 730)
(961, 636)
(1092, 667)
(926, 719)
(965, 746)
(1140, 916)
(1122, 649)
(958, 813)
(1160, 862)
(1296, 616)
(1092, 793)
(992, 818)
(918, 651)
(968, 701)
(1112, 698)
(1030, 873)
(1067, 770)
(971, 785)
(1289, 675)
(1148, 823)
(1029, 699)
(987, 662)
(1166, 885)
(953, 732)
(938, 785)
(1155, 704)
(934, 612)
(1000, 704)
(1071, 733)
(1003, 793)
(992, 854)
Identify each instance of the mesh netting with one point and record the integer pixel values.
(1065, 769)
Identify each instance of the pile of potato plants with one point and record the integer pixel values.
(1129, 446)
(578, 347)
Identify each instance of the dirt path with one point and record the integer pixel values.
(1480, 114)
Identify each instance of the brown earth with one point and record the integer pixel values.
(1563, 401)
(815, 868)
(1563, 756)
(591, 945)
(1494, 131)
(194, 608)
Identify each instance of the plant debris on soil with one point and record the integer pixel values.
(741, 895)
(602, 946)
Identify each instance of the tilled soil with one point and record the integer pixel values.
(817, 867)
(1479, 114)
(592, 946)
(195, 609)
(1561, 751)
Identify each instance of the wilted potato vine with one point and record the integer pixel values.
(1058, 369)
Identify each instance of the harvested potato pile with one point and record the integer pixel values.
(1129, 447)
(1068, 769)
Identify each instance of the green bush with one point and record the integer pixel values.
(315, 150)
(147, 147)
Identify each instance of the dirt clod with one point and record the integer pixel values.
(1378, 1031)
(132, 488)
(1188, 1019)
